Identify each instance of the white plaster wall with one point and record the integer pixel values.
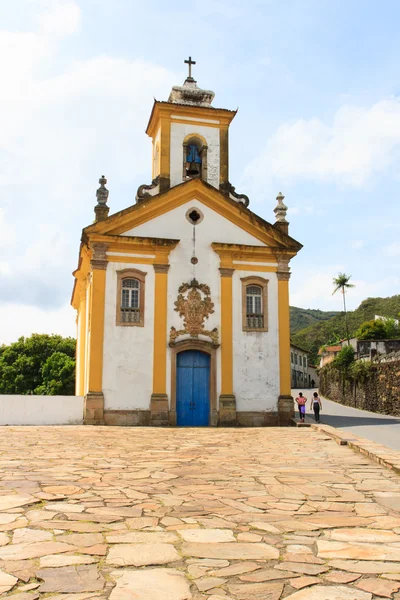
(128, 351)
(255, 354)
(41, 410)
(178, 133)
(213, 228)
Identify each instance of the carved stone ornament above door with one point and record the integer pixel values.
(194, 304)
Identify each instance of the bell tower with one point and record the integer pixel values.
(190, 139)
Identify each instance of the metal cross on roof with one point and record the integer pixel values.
(190, 62)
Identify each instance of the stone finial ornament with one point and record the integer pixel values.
(281, 209)
(101, 209)
(102, 192)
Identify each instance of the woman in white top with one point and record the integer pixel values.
(316, 405)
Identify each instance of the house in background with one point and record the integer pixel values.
(302, 372)
(328, 354)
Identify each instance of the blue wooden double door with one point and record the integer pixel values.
(193, 388)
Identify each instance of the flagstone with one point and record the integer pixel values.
(265, 527)
(323, 592)
(142, 537)
(77, 526)
(14, 525)
(24, 596)
(97, 550)
(15, 501)
(366, 567)
(249, 537)
(141, 554)
(65, 560)
(150, 584)
(363, 535)
(360, 551)
(81, 539)
(341, 577)
(6, 518)
(78, 578)
(237, 550)
(195, 571)
(7, 582)
(256, 591)
(33, 550)
(302, 582)
(67, 490)
(209, 562)
(306, 558)
(207, 535)
(236, 569)
(31, 535)
(302, 568)
(141, 522)
(207, 583)
(23, 569)
(4, 539)
(378, 586)
(266, 575)
(64, 507)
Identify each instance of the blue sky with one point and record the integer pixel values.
(318, 90)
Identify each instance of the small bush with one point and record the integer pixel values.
(344, 358)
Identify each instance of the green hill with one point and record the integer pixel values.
(300, 318)
(325, 331)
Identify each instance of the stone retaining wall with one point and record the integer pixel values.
(379, 393)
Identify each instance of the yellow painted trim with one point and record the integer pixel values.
(160, 333)
(165, 148)
(193, 190)
(97, 307)
(243, 252)
(284, 337)
(254, 268)
(196, 123)
(131, 260)
(81, 345)
(166, 109)
(226, 336)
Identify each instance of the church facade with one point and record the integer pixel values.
(182, 299)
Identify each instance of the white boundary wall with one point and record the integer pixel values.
(41, 410)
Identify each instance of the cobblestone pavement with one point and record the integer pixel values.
(190, 514)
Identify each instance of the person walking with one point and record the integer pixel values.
(316, 405)
(301, 403)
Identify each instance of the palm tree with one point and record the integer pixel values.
(341, 282)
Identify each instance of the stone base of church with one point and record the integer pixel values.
(227, 410)
(127, 418)
(159, 411)
(93, 408)
(285, 410)
(257, 419)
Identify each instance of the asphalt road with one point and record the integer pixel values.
(381, 429)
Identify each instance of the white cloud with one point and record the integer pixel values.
(18, 320)
(60, 19)
(392, 249)
(357, 244)
(360, 142)
(61, 128)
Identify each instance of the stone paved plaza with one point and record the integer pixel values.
(179, 514)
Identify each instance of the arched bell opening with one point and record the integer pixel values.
(194, 158)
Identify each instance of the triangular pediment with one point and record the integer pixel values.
(236, 213)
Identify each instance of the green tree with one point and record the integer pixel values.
(22, 363)
(372, 330)
(341, 282)
(58, 373)
(344, 358)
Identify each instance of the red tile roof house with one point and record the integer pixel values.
(328, 354)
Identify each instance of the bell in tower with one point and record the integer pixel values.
(193, 161)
